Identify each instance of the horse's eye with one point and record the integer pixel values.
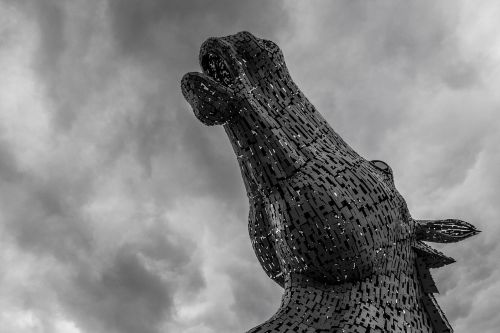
(269, 44)
(382, 166)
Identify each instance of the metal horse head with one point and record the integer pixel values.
(318, 210)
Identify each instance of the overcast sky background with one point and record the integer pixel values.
(120, 212)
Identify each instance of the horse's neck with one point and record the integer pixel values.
(392, 300)
(385, 303)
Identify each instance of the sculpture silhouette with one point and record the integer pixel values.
(326, 224)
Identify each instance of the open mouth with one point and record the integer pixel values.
(217, 68)
(211, 93)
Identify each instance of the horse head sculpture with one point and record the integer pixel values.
(327, 225)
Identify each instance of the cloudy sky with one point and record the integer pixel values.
(120, 212)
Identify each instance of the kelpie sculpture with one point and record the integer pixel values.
(326, 224)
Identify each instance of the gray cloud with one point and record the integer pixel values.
(131, 215)
(126, 297)
(136, 24)
(248, 305)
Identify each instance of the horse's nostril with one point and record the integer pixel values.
(216, 67)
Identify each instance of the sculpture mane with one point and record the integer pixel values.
(326, 224)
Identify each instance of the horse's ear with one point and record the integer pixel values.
(430, 257)
(444, 231)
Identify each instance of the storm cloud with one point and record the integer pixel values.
(120, 212)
